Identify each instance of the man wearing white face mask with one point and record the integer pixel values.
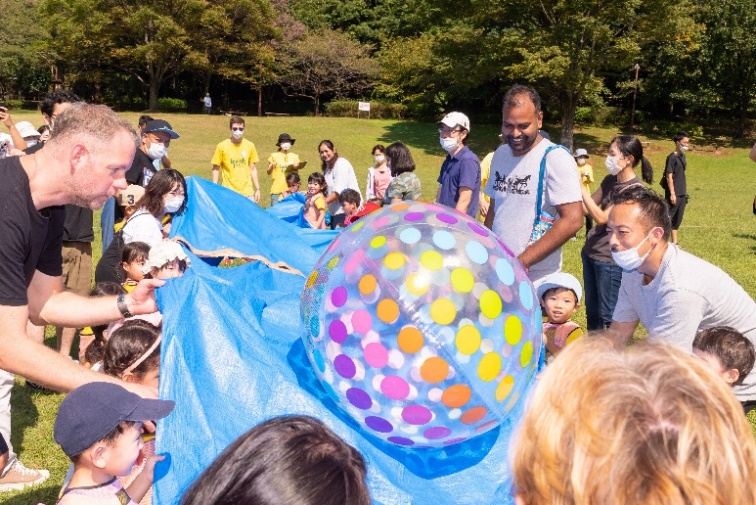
(459, 181)
(675, 183)
(673, 293)
(234, 162)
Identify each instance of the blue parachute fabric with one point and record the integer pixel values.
(219, 222)
(288, 209)
(232, 357)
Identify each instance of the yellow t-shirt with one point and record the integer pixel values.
(485, 173)
(283, 167)
(234, 161)
(586, 175)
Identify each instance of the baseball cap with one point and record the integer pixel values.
(93, 410)
(160, 125)
(560, 280)
(26, 129)
(453, 119)
(130, 195)
(581, 152)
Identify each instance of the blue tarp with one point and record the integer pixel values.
(232, 357)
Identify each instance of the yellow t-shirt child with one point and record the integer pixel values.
(234, 161)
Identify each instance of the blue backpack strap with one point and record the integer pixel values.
(541, 173)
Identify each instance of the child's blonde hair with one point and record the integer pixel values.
(646, 425)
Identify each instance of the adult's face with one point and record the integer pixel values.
(100, 170)
(520, 125)
(326, 153)
(626, 229)
(161, 138)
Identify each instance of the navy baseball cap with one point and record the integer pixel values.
(93, 410)
(160, 125)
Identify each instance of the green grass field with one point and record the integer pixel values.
(719, 225)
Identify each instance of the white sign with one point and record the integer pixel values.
(363, 106)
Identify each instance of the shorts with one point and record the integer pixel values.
(77, 267)
(676, 211)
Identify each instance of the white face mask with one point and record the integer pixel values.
(581, 161)
(285, 146)
(237, 134)
(612, 166)
(629, 259)
(378, 158)
(173, 204)
(448, 143)
(683, 148)
(156, 151)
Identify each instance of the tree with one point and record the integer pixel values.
(325, 62)
(23, 62)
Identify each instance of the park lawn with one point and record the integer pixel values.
(718, 227)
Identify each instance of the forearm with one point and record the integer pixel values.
(619, 333)
(18, 140)
(166, 162)
(599, 215)
(271, 166)
(332, 197)
(140, 485)
(671, 185)
(253, 173)
(438, 194)
(488, 223)
(463, 202)
(215, 174)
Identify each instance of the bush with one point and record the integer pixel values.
(13, 104)
(171, 105)
(378, 110)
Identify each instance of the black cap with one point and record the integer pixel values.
(160, 125)
(93, 410)
(284, 137)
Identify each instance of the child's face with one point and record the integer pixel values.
(120, 456)
(711, 361)
(168, 271)
(313, 187)
(293, 188)
(134, 270)
(559, 305)
(349, 208)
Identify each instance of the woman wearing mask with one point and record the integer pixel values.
(601, 275)
(674, 182)
(164, 195)
(280, 165)
(339, 175)
(379, 175)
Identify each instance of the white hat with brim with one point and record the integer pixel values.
(26, 129)
(559, 280)
(581, 153)
(454, 119)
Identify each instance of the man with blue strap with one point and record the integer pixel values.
(534, 188)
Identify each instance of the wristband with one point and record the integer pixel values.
(122, 307)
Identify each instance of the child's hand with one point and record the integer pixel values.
(149, 466)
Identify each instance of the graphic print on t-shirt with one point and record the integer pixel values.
(514, 185)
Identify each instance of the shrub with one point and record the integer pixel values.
(171, 105)
(378, 110)
(13, 104)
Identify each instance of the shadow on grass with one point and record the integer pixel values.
(24, 412)
(46, 494)
(747, 236)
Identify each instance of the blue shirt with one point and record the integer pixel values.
(460, 171)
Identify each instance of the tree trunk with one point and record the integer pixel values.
(154, 89)
(568, 106)
(259, 99)
(317, 105)
(744, 100)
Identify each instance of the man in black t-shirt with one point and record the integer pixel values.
(83, 163)
(675, 183)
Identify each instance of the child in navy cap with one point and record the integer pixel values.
(99, 427)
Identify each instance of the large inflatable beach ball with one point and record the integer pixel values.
(422, 325)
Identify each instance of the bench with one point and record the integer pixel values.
(277, 114)
(233, 112)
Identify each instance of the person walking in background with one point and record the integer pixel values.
(234, 162)
(675, 182)
(207, 104)
(459, 180)
(586, 177)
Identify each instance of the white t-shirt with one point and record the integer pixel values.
(513, 182)
(687, 295)
(339, 178)
(143, 227)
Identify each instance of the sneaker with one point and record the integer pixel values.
(18, 477)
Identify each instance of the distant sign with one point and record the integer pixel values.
(363, 106)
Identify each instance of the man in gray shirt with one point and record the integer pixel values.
(673, 293)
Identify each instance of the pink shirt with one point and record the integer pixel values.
(110, 493)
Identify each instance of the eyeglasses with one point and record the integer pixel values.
(448, 131)
(238, 129)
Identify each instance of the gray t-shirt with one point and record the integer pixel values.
(513, 182)
(686, 296)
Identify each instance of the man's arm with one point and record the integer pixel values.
(620, 333)
(166, 162)
(18, 141)
(671, 185)
(569, 222)
(216, 172)
(463, 202)
(438, 194)
(488, 223)
(255, 181)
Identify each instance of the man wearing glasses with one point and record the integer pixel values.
(234, 162)
(459, 181)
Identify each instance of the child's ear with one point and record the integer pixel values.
(124, 265)
(97, 455)
(128, 377)
(731, 376)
